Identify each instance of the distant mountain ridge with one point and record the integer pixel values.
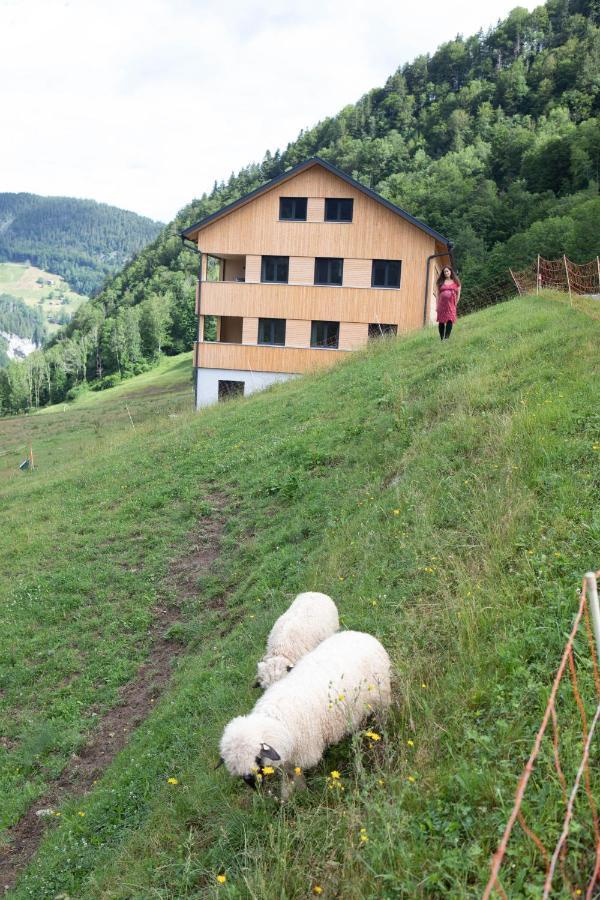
(82, 240)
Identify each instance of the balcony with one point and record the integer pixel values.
(263, 357)
(226, 268)
(300, 301)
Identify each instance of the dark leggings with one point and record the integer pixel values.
(445, 329)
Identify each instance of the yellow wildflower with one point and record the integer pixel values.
(80, 813)
(172, 781)
(297, 770)
(412, 779)
(221, 879)
(410, 743)
(317, 889)
(396, 512)
(381, 782)
(373, 735)
(423, 685)
(268, 770)
(335, 774)
(341, 697)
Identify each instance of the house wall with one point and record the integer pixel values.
(207, 382)
(374, 233)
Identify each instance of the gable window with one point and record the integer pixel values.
(275, 269)
(292, 208)
(324, 334)
(271, 331)
(386, 273)
(338, 210)
(378, 329)
(328, 271)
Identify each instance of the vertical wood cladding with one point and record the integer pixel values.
(297, 333)
(254, 229)
(357, 273)
(253, 269)
(302, 270)
(250, 331)
(353, 335)
(264, 359)
(315, 209)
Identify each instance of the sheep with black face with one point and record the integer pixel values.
(310, 619)
(327, 695)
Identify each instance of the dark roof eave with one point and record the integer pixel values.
(315, 160)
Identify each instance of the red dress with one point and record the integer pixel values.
(446, 302)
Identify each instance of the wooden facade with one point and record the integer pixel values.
(241, 235)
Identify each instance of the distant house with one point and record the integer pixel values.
(303, 270)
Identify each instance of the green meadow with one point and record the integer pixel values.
(447, 496)
(20, 280)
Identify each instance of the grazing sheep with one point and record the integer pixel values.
(326, 696)
(310, 619)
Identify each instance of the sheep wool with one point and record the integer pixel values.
(326, 696)
(310, 619)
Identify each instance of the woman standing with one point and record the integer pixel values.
(448, 285)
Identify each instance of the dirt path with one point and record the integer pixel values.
(136, 700)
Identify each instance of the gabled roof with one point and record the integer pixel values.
(307, 164)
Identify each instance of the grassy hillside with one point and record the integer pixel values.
(55, 299)
(446, 495)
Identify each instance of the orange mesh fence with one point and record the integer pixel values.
(559, 274)
(563, 846)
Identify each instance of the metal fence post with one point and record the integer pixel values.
(592, 595)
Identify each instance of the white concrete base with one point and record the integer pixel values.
(207, 382)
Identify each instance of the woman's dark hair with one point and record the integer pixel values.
(453, 276)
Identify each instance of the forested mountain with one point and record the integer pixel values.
(494, 140)
(81, 240)
(18, 318)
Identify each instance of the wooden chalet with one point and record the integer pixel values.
(306, 268)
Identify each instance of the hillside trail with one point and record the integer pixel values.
(136, 701)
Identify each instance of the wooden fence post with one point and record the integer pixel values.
(537, 277)
(568, 279)
(592, 595)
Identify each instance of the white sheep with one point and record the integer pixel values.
(326, 696)
(310, 619)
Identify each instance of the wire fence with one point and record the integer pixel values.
(570, 842)
(560, 275)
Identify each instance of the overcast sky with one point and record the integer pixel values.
(144, 103)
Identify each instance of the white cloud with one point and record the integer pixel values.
(144, 104)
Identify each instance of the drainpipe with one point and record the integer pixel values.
(447, 252)
(191, 246)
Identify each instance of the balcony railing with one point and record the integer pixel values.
(264, 357)
(302, 301)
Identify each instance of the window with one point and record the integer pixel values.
(386, 273)
(328, 271)
(271, 331)
(292, 208)
(377, 329)
(275, 268)
(324, 334)
(337, 210)
(230, 389)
